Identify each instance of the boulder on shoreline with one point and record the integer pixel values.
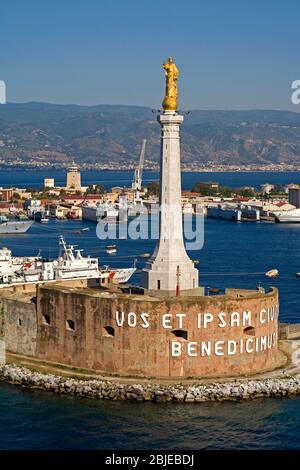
(101, 389)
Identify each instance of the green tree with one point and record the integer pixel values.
(278, 189)
(153, 188)
(99, 189)
(205, 189)
(224, 191)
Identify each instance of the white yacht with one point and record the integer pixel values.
(285, 217)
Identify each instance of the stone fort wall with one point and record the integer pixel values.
(136, 335)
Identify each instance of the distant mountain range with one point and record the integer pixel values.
(104, 133)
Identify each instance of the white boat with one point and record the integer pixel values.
(73, 266)
(9, 264)
(272, 273)
(70, 264)
(116, 276)
(288, 217)
(111, 249)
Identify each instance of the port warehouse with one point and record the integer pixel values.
(113, 332)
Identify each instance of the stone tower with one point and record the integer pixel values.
(73, 178)
(170, 268)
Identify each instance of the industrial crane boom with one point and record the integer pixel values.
(137, 180)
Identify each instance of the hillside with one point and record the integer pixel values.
(59, 133)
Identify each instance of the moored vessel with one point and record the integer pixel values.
(9, 226)
(70, 264)
(288, 217)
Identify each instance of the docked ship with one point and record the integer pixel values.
(100, 212)
(70, 264)
(288, 217)
(8, 226)
(107, 213)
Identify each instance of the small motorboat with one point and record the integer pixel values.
(85, 229)
(213, 290)
(297, 274)
(44, 220)
(145, 255)
(111, 249)
(272, 273)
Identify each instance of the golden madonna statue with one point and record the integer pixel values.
(170, 101)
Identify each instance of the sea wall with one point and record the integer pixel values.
(98, 389)
(143, 336)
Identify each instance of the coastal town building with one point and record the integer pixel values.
(294, 196)
(6, 193)
(49, 183)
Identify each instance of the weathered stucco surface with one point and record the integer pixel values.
(18, 325)
(142, 351)
(77, 326)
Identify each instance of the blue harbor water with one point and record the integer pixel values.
(234, 254)
(31, 179)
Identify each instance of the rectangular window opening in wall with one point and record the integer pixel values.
(158, 284)
(46, 319)
(70, 325)
(20, 322)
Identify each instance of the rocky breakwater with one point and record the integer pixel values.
(104, 389)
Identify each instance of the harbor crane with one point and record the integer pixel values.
(137, 179)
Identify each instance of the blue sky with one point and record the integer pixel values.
(232, 54)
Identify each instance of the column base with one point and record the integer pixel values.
(159, 276)
(197, 292)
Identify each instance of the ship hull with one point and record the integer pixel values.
(290, 217)
(19, 226)
(288, 221)
(121, 276)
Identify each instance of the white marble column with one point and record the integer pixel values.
(170, 257)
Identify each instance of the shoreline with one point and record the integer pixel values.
(8, 169)
(233, 390)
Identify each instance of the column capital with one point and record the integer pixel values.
(170, 117)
